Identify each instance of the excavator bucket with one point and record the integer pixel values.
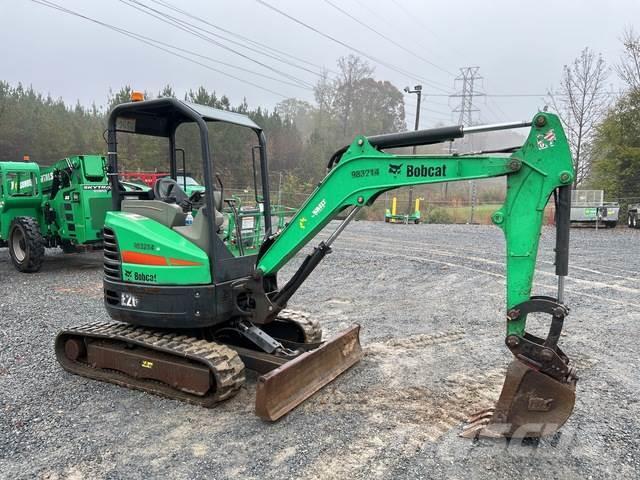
(531, 405)
(284, 388)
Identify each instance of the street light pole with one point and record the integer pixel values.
(418, 91)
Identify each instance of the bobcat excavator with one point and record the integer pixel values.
(190, 313)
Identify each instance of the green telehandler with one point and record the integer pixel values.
(63, 205)
(190, 313)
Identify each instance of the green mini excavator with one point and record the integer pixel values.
(190, 313)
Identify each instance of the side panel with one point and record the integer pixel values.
(80, 212)
(152, 253)
(168, 306)
(78, 192)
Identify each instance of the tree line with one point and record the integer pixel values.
(603, 127)
(301, 135)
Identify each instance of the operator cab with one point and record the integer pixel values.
(174, 200)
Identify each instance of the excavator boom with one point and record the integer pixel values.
(539, 391)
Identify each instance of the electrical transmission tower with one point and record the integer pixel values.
(468, 80)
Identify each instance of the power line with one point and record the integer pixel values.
(373, 12)
(388, 39)
(509, 95)
(431, 102)
(147, 41)
(497, 105)
(429, 118)
(416, 18)
(427, 109)
(237, 35)
(346, 45)
(544, 94)
(497, 117)
(186, 27)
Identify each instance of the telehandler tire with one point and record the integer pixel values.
(26, 245)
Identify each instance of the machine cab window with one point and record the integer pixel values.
(21, 184)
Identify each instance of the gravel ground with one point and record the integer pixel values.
(430, 299)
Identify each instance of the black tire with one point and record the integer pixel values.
(611, 224)
(632, 221)
(26, 245)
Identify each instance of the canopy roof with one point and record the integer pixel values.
(162, 116)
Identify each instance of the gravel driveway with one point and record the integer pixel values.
(430, 299)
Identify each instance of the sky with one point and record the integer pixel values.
(519, 46)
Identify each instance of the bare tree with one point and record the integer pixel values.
(629, 67)
(352, 70)
(582, 103)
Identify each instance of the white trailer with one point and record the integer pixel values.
(589, 208)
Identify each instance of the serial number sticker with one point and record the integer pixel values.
(366, 172)
(128, 300)
(146, 364)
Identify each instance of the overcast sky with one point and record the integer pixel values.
(520, 47)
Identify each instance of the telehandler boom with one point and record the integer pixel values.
(192, 313)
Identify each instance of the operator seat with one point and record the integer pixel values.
(168, 214)
(198, 231)
(166, 206)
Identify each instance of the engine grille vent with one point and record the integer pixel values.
(112, 261)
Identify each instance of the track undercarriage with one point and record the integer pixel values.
(207, 366)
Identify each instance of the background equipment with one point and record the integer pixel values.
(589, 208)
(391, 215)
(191, 313)
(63, 205)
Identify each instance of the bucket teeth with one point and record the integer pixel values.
(480, 425)
(478, 429)
(486, 413)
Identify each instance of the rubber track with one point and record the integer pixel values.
(310, 327)
(224, 363)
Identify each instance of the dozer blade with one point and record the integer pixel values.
(531, 405)
(286, 387)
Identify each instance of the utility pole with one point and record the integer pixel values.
(280, 189)
(418, 91)
(468, 78)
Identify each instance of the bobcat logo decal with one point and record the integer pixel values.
(394, 169)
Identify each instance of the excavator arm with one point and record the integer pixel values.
(540, 167)
(538, 394)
